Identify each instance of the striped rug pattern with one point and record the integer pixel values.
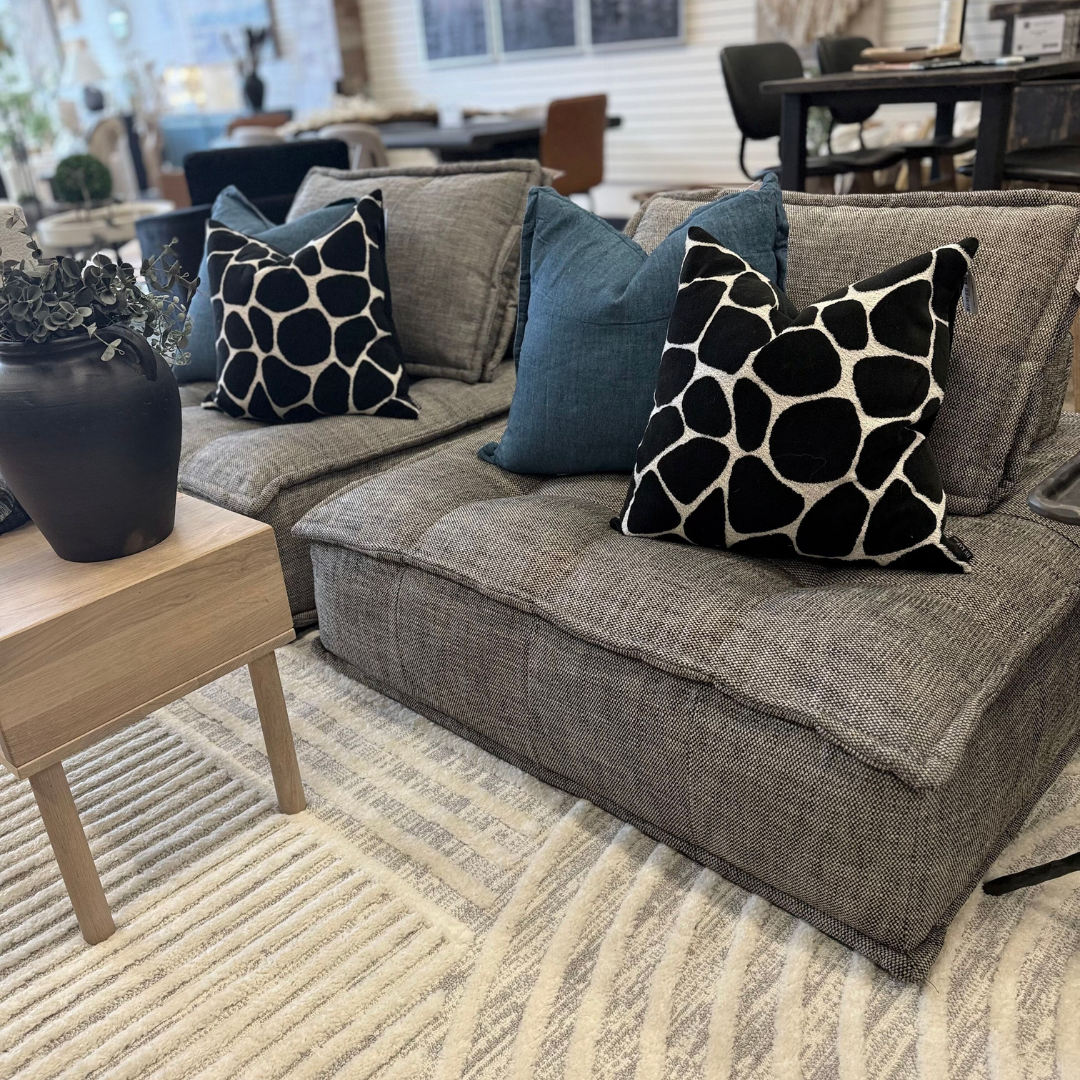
(438, 914)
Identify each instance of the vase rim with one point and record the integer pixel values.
(50, 347)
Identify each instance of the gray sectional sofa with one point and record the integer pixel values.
(855, 744)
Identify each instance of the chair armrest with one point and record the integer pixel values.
(186, 226)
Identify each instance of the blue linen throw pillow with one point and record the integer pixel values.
(593, 311)
(232, 208)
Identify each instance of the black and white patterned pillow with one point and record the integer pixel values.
(310, 334)
(777, 432)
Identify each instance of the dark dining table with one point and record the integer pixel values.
(992, 85)
(472, 140)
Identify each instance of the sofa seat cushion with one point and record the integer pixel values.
(194, 393)
(278, 472)
(895, 667)
(675, 687)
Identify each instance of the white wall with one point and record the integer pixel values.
(677, 126)
(303, 77)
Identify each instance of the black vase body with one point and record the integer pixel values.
(254, 92)
(91, 448)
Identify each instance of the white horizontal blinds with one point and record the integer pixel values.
(677, 125)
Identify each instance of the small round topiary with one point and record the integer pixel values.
(81, 178)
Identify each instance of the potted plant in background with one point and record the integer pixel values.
(89, 409)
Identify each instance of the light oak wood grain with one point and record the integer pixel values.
(90, 737)
(277, 733)
(129, 631)
(72, 853)
(88, 647)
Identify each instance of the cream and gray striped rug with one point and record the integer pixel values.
(437, 914)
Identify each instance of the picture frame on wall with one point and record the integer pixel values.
(532, 26)
(621, 24)
(456, 32)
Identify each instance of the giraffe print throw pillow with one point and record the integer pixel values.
(777, 432)
(310, 334)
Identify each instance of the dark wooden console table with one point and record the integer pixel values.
(993, 86)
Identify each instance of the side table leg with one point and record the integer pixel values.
(72, 853)
(277, 733)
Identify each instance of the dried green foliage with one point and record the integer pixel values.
(45, 299)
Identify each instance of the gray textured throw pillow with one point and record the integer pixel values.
(453, 247)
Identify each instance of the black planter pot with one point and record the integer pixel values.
(254, 92)
(91, 448)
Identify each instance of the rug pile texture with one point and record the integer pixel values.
(438, 914)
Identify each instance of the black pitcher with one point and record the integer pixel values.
(91, 447)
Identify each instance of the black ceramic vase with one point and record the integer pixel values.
(91, 447)
(254, 92)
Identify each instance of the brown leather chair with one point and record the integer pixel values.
(573, 141)
(261, 119)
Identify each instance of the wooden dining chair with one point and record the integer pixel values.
(573, 142)
(261, 119)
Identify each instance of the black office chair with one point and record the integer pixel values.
(839, 54)
(262, 173)
(745, 68)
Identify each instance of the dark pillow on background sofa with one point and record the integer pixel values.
(232, 208)
(311, 334)
(593, 310)
(778, 432)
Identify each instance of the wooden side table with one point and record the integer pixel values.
(86, 648)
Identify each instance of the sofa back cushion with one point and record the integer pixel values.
(593, 312)
(1010, 363)
(453, 250)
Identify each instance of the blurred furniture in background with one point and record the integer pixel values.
(991, 85)
(261, 120)
(82, 232)
(172, 185)
(484, 138)
(573, 143)
(267, 175)
(758, 114)
(366, 149)
(261, 172)
(110, 144)
(1057, 165)
(185, 133)
(251, 135)
(1010, 12)
(841, 54)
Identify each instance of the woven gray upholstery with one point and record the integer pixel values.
(278, 472)
(194, 393)
(662, 213)
(856, 744)
(453, 248)
(1010, 362)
